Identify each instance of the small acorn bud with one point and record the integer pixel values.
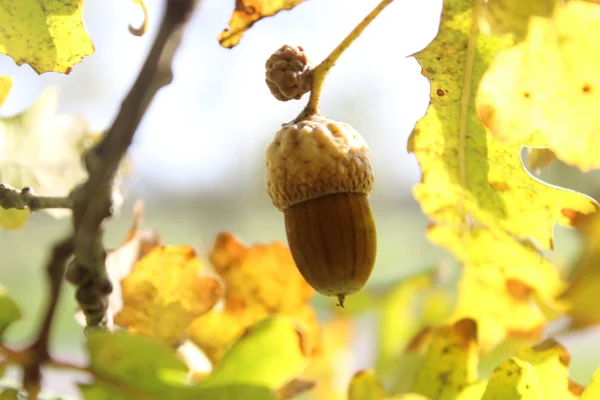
(319, 175)
(288, 73)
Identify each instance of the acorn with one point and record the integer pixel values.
(319, 174)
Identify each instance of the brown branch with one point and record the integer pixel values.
(27, 198)
(92, 200)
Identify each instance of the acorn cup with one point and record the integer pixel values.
(319, 175)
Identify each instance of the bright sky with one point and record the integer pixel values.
(209, 129)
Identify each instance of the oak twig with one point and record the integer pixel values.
(320, 72)
(27, 198)
(91, 201)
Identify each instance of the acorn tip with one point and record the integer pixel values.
(341, 299)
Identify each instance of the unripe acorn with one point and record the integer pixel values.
(319, 175)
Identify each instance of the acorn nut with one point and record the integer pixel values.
(319, 175)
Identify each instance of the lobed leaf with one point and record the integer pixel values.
(247, 13)
(476, 189)
(43, 150)
(164, 293)
(49, 35)
(548, 86)
(450, 364)
(592, 392)
(260, 281)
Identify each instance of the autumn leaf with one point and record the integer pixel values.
(592, 392)
(581, 296)
(248, 12)
(325, 367)
(144, 27)
(43, 150)
(366, 386)
(450, 363)
(164, 293)
(484, 204)
(547, 88)
(49, 35)
(421, 304)
(538, 372)
(260, 280)
(512, 16)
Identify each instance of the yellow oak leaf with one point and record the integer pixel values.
(164, 293)
(498, 283)
(548, 86)
(327, 366)
(450, 363)
(581, 296)
(365, 385)
(247, 13)
(512, 16)
(42, 150)
(534, 373)
(119, 262)
(514, 379)
(49, 35)
(260, 280)
(592, 392)
(473, 182)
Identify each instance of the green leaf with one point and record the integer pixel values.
(43, 150)
(139, 363)
(99, 391)
(9, 394)
(49, 35)
(9, 311)
(269, 354)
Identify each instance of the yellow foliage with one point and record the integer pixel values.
(581, 297)
(366, 386)
(512, 16)
(49, 35)
(450, 363)
(164, 293)
(260, 280)
(534, 373)
(488, 208)
(548, 86)
(248, 12)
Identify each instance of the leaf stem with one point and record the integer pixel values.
(321, 71)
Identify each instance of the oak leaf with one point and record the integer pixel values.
(49, 35)
(247, 13)
(547, 87)
(259, 281)
(476, 190)
(164, 293)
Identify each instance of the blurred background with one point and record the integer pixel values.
(198, 157)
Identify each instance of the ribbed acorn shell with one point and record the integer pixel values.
(333, 242)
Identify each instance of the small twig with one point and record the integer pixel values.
(27, 198)
(38, 351)
(321, 71)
